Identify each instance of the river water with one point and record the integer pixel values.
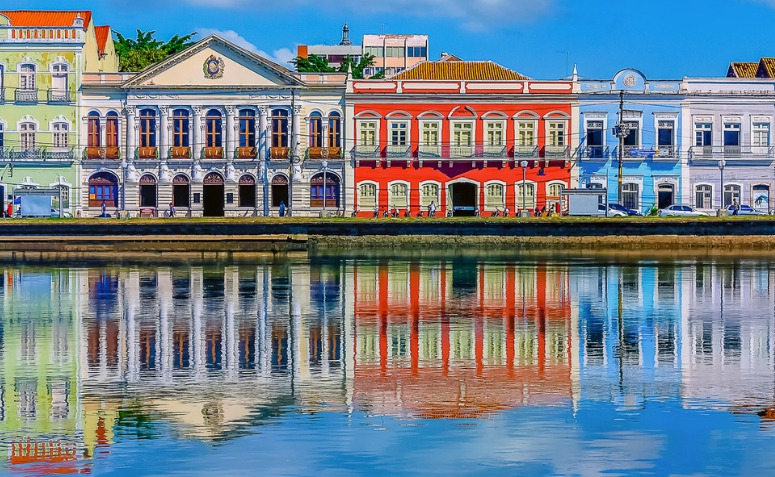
(380, 365)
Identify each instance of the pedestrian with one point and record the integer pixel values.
(9, 212)
(172, 210)
(735, 207)
(537, 212)
(432, 209)
(282, 208)
(104, 209)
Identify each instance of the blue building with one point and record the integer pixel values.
(652, 164)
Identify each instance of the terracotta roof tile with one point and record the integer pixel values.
(45, 18)
(102, 33)
(459, 70)
(743, 69)
(766, 68)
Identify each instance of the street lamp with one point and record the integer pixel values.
(124, 165)
(523, 165)
(325, 168)
(721, 164)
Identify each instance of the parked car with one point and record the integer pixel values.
(55, 213)
(625, 210)
(613, 211)
(681, 211)
(744, 210)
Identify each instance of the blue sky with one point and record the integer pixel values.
(662, 38)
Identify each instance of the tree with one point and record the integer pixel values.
(367, 61)
(312, 64)
(138, 54)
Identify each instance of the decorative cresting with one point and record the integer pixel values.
(213, 178)
(213, 67)
(147, 179)
(331, 179)
(247, 180)
(180, 180)
(279, 180)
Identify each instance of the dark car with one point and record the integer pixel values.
(621, 208)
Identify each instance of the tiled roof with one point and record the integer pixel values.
(459, 70)
(102, 33)
(766, 68)
(45, 18)
(450, 58)
(743, 69)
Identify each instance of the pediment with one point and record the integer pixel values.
(213, 63)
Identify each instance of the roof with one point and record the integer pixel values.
(102, 33)
(459, 70)
(448, 57)
(742, 69)
(766, 68)
(46, 18)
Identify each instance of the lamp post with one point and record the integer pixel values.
(721, 164)
(523, 165)
(124, 165)
(325, 168)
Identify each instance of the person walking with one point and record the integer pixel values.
(172, 210)
(104, 209)
(735, 207)
(282, 208)
(9, 212)
(432, 209)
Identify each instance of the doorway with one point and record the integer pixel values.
(463, 199)
(665, 195)
(212, 195)
(761, 198)
(279, 190)
(148, 191)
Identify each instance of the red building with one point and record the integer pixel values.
(470, 136)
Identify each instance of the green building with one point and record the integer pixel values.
(43, 57)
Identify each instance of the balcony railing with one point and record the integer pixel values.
(61, 154)
(245, 153)
(399, 151)
(365, 152)
(731, 152)
(60, 96)
(179, 152)
(26, 96)
(212, 153)
(595, 152)
(323, 153)
(429, 151)
(39, 154)
(556, 152)
(525, 151)
(465, 152)
(279, 153)
(5, 152)
(93, 152)
(147, 152)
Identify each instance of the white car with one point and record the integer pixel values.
(681, 211)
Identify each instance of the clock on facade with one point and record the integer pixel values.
(630, 80)
(213, 67)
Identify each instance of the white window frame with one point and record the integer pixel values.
(29, 75)
(554, 122)
(376, 195)
(437, 199)
(25, 133)
(639, 138)
(489, 205)
(56, 71)
(547, 196)
(639, 189)
(661, 119)
(501, 127)
(530, 200)
(710, 198)
(407, 129)
(699, 126)
(60, 135)
(454, 147)
(391, 198)
(361, 123)
(739, 197)
(732, 124)
(757, 130)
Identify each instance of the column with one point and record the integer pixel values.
(230, 141)
(196, 137)
(324, 138)
(261, 134)
(164, 131)
(295, 140)
(103, 127)
(130, 132)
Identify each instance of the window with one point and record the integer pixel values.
(214, 128)
(416, 52)
(462, 134)
(703, 134)
(731, 194)
(59, 78)
(93, 130)
(27, 136)
(493, 196)
(526, 195)
(27, 77)
(731, 134)
(429, 193)
(595, 133)
(399, 196)
(494, 131)
(147, 128)
(375, 51)
(630, 196)
(367, 133)
(1, 135)
(556, 134)
(430, 133)
(394, 51)
(398, 132)
(180, 128)
(703, 197)
(279, 128)
(315, 130)
(367, 196)
(633, 134)
(2, 77)
(247, 128)
(59, 135)
(761, 135)
(111, 130)
(665, 133)
(555, 190)
(334, 130)
(554, 197)
(526, 133)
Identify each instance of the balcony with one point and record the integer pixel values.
(58, 96)
(427, 151)
(100, 153)
(525, 151)
(556, 152)
(27, 96)
(740, 153)
(147, 152)
(595, 152)
(279, 153)
(245, 153)
(179, 152)
(38, 154)
(324, 153)
(212, 153)
(5, 152)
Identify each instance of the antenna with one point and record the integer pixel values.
(567, 57)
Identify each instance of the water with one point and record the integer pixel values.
(376, 365)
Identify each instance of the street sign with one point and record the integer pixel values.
(642, 152)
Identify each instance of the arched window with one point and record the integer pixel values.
(703, 198)
(324, 195)
(493, 196)
(214, 131)
(429, 193)
(103, 187)
(181, 189)
(60, 135)
(731, 194)
(526, 196)
(247, 191)
(399, 196)
(147, 128)
(27, 77)
(334, 130)
(111, 130)
(247, 128)
(27, 136)
(315, 130)
(367, 196)
(180, 126)
(279, 128)
(93, 134)
(554, 197)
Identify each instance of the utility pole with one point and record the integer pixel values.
(622, 131)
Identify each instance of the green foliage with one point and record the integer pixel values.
(145, 50)
(367, 60)
(318, 64)
(653, 211)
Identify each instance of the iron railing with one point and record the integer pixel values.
(333, 152)
(95, 152)
(26, 96)
(39, 154)
(731, 152)
(59, 96)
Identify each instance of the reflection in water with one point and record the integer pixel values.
(96, 357)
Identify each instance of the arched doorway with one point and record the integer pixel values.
(324, 195)
(212, 195)
(247, 191)
(761, 198)
(463, 199)
(665, 195)
(180, 191)
(147, 191)
(279, 190)
(103, 187)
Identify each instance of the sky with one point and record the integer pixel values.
(665, 39)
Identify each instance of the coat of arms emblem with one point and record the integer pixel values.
(213, 67)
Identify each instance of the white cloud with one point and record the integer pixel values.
(283, 56)
(473, 14)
